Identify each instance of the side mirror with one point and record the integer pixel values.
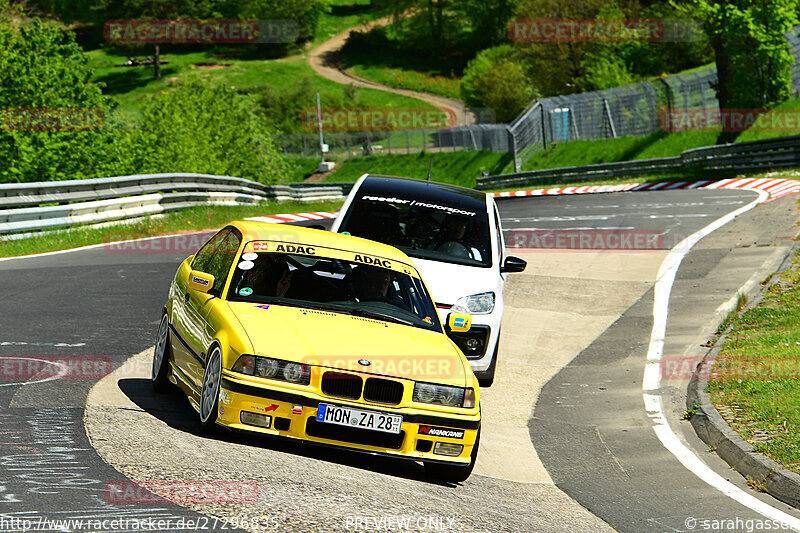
(459, 322)
(200, 281)
(513, 264)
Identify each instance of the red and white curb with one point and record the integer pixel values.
(294, 217)
(777, 187)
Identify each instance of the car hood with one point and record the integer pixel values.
(447, 282)
(338, 340)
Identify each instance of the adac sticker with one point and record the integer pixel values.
(246, 291)
(447, 433)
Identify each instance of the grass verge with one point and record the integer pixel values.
(755, 380)
(191, 219)
(458, 168)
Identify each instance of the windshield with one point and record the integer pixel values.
(424, 230)
(337, 281)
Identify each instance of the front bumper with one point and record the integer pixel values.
(293, 415)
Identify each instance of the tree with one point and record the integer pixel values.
(43, 72)
(494, 80)
(752, 55)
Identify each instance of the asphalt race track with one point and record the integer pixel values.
(570, 445)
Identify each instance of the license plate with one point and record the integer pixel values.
(358, 418)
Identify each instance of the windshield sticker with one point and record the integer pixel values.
(246, 291)
(367, 260)
(322, 253)
(292, 249)
(246, 265)
(250, 256)
(415, 203)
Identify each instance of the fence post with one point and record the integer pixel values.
(610, 120)
(544, 130)
(408, 143)
(512, 142)
(669, 104)
(389, 142)
(347, 144)
(304, 144)
(285, 151)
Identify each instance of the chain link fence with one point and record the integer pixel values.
(632, 110)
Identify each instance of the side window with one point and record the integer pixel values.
(217, 256)
(500, 240)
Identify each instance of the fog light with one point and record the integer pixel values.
(445, 448)
(255, 419)
(473, 343)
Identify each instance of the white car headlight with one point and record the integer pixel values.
(476, 304)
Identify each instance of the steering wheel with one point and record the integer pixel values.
(455, 249)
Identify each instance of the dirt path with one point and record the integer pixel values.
(325, 62)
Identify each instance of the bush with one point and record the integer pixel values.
(494, 80)
(42, 67)
(201, 128)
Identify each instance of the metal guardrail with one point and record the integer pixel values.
(719, 161)
(27, 207)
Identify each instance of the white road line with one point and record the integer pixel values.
(651, 380)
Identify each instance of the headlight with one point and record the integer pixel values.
(476, 304)
(444, 395)
(265, 367)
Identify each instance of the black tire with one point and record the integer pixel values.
(161, 357)
(209, 390)
(486, 378)
(454, 473)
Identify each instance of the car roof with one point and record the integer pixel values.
(263, 231)
(426, 191)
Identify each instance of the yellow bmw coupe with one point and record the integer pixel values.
(312, 335)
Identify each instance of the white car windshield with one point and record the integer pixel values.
(421, 229)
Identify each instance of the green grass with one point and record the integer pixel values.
(191, 219)
(782, 121)
(130, 85)
(414, 80)
(344, 14)
(458, 168)
(758, 369)
(655, 145)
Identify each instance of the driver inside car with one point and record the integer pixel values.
(370, 283)
(450, 242)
